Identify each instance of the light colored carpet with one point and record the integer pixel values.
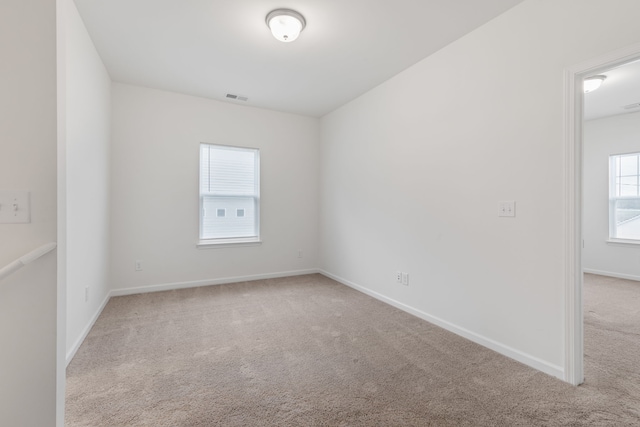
(307, 351)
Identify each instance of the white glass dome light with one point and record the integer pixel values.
(285, 24)
(592, 83)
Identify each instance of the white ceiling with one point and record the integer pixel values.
(210, 48)
(621, 88)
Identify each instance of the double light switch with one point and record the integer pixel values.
(507, 208)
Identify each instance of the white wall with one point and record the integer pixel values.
(28, 162)
(88, 129)
(412, 173)
(154, 188)
(602, 138)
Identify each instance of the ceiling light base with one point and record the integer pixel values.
(285, 24)
(592, 83)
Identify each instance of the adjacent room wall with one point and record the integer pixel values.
(602, 138)
(88, 130)
(28, 162)
(154, 190)
(412, 173)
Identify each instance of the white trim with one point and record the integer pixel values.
(612, 274)
(228, 243)
(573, 327)
(74, 349)
(206, 282)
(622, 242)
(510, 352)
(573, 96)
(62, 14)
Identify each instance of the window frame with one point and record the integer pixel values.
(614, 198)
(217, 242)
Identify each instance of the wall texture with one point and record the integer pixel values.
(602, 138)
(154, 189)
(28, 162)
(412, 173)
(88, 130)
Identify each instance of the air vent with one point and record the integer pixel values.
(632, 106)
(237, 97)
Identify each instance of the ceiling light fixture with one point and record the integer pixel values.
(593, 83)
(285, 24)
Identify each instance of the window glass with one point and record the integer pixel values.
(624, 196)
(229, 182)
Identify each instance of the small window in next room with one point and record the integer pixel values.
(229, 183)
(624, 196)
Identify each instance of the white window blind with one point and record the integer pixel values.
(229, 183)
(624, 196)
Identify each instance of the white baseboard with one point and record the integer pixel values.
(512, 353)
(175, 286)
(207, 282)
(76, 345)
(611, 274)
(529, 360)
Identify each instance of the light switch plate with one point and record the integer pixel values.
(507, 208)
(14, 207)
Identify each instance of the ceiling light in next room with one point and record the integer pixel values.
(285, 24)
(592, 83)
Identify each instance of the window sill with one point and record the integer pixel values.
(623, 242)
(226, 243)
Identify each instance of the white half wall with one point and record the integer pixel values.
(602, 138)
(88, 131)
(28, 298)
(412, 173)
(154, 188)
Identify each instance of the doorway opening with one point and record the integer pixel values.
(576, 112)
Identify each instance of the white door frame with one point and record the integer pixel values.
(573, 111)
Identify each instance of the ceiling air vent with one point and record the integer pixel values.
(632, 106)
(237, 97)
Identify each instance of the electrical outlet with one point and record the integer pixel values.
(405, 279)
(398, 276)
(299, 254)
(138, 265)
(86, 294)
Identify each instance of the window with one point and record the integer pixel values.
(229, 182)
(624, 196)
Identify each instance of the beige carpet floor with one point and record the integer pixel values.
(307, 351)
